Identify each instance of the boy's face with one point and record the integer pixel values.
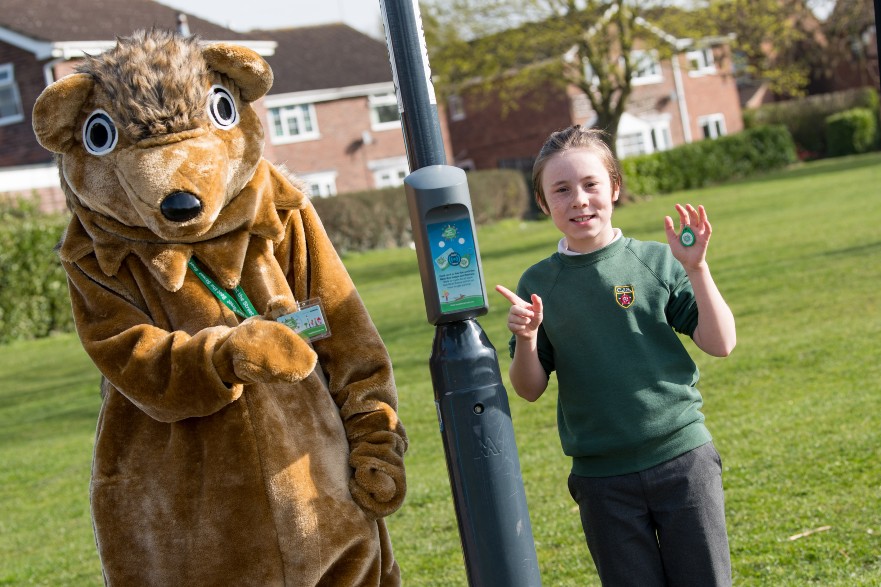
(580, 198)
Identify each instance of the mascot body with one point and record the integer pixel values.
(229, 450)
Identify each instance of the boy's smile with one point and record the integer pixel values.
(580, 199)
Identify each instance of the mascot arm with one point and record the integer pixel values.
(357, 365)
(174, 375)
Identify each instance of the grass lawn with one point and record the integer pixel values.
(794, 410)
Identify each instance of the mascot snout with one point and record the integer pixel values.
(180, 206)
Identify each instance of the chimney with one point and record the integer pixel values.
(182, 26)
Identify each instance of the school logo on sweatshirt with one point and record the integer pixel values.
(624, 295)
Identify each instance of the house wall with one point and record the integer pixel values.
(341, 148)
(712, 94)
(659, 100)
(486, 136)
(18, 145)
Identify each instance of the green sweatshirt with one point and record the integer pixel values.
(627, 398)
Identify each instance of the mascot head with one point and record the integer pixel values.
(157, 132)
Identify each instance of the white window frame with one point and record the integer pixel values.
(321, 184)
(647, 68)
(700, 62)
(389, 172)
(456, 108)
(712, 126)
(383, 101)
(295, 110)
(632, 144)
(662, 139)
(9, 88)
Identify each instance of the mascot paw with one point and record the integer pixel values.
(279, 306)
(379, 483)
(259, 350)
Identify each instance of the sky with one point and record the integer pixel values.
(239, 15)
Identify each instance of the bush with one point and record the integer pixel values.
(379, 219)
(709, 162)
(33, 286)
(852, 131)
(806, 118)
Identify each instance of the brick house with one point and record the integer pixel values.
(689, 97)
(331, 116)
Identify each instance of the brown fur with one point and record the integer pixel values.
(228, 451)
(154, 83)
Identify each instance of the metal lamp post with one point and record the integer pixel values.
(472, 404)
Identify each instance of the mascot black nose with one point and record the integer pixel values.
(180, 206)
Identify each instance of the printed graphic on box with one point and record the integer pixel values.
(455, 265)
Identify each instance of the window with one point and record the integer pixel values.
(389, 172)
(631, 144)
(646, 68)
(10, 101)
(661, 138)
(321, 185)
(456, 108)
(292, 123)
(384, 112)
(700, 62)
(713, 126)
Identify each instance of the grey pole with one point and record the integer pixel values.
(472, 404)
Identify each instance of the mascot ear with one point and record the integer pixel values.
(244, 66)
(57, 108)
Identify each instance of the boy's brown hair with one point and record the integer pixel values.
(575, 137)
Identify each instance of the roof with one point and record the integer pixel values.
(70, 28)
(302, 59)
(94, 20)
(325, 57)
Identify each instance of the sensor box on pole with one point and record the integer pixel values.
(446, 243)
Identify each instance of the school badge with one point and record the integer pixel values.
(624, 295)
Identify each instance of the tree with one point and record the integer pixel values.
(504, 49)
(775, 41)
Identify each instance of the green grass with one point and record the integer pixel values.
(794, 410)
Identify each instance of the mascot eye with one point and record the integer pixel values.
(222, 108)
(99, 133)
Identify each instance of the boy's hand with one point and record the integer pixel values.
(693, 257)
(523, 318)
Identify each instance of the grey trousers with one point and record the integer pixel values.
(664, 526)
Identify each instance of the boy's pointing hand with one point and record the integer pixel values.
(524, 318)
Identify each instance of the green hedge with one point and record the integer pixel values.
(806, 117)
(709, 162)
(378, 219)
(33, 286)
(852, 131)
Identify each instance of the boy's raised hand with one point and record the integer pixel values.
(692, 257)
(524, 318)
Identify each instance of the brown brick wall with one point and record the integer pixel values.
(486, 136)
(713, 94)
(340, 148)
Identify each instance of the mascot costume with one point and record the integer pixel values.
(234, 445)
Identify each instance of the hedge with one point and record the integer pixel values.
(852, 131)
(378, 219)
(806, 117)
(709, 162)
(33, 286)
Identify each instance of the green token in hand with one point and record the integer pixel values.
(687, 237)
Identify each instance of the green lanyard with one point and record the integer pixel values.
(240, 304)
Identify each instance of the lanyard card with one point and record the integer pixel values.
(309, 321)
